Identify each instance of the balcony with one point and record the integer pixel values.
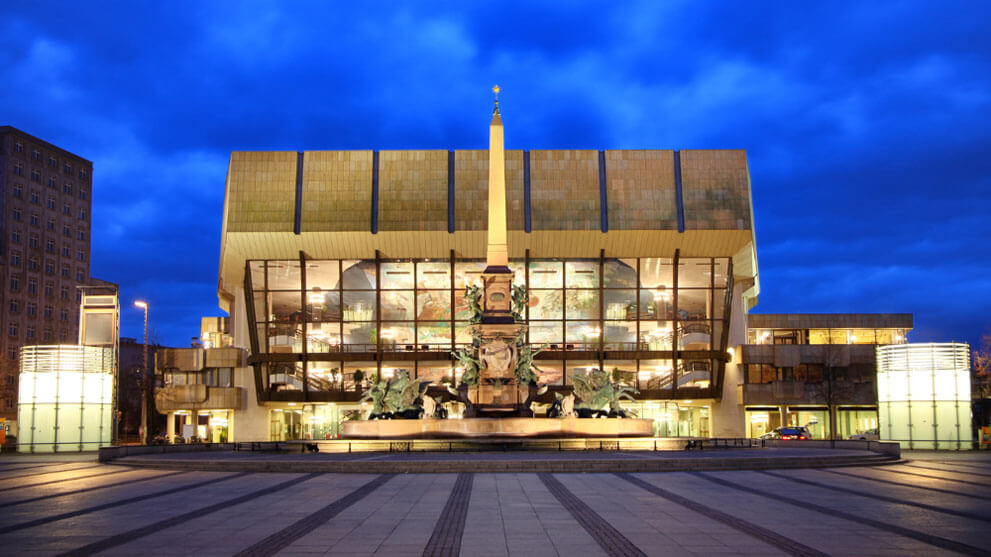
(197, 397)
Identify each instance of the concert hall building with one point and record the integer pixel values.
(339, 265)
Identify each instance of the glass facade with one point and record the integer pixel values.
(311, 318)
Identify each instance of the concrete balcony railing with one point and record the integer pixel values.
(790, 355)
(801, 392)
(197, 397)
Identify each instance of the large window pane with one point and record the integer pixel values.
(283, 275)
(397, 305)
(693, 304)
(655, 272)
(397, 275)
(462, 311)
(549, 333)
(435, 372)
(622, 371)
(433, 305)
(462, 332)
(694, 373)
(657, 303)
(550, 372)
(719, 303)
(359, 275)
(695, 335)
(436, 336)
(324, 305)
(359, 306)
(655, 374)
(285, 307)
(546, 274)
(257, 269)
(620, 304)
(694, 272)
(620, 335)
(397, 336)
(721, 271)
(325, 376)
(582, 274)
(582, 334)
(582, 304)
(285, 338)
(519, 272)
(468, 272)
(323, 275)
(367, 370)
(359, 337)
(433, 274)
(579, 366)
(619, 273)
(285, 376)
(546, 304)
(323, 337)
(656, 335)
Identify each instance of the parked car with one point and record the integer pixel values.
(869, 435)
(788, 432)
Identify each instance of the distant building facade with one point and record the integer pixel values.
(45, 224)
(815, 370)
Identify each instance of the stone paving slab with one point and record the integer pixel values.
(512, 514)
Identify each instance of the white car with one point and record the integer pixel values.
(869, 435)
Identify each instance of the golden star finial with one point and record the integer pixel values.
(496, 91)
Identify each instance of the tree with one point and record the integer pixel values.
(982, 368)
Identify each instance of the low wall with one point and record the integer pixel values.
(497, 427)
(884, 447)
(109, 453)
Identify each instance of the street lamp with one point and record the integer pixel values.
(144, 378)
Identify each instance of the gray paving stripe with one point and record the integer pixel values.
(87, 489)
(892, 482)
(923, 537)
(283, 538)
(131, 535)
(52, 472)
(609, 538)
(888, 469)
(77, 478)
(13, 467)
(966, 472)
(128, 501)
(446, 538)
(783, 543)
(963, 514)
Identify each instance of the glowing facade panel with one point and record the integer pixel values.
(924, 395)
(65, 399)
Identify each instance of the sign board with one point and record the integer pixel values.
(188, 431)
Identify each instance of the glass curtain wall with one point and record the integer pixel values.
(323, 307)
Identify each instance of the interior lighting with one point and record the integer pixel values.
(316, 296)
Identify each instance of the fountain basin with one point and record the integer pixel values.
(430, 428)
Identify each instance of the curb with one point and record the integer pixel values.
(577, 465)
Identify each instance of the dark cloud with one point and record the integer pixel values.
(864, 123)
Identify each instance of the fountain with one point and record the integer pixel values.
(498, 384)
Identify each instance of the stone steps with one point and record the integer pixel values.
(447, 463)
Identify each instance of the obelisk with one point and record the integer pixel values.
(497, 278)
(497, 254)
(497, 392)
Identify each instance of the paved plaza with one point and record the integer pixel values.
(929, 503)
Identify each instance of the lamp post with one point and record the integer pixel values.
(144, 378)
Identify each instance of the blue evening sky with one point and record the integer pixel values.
(866, 123)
